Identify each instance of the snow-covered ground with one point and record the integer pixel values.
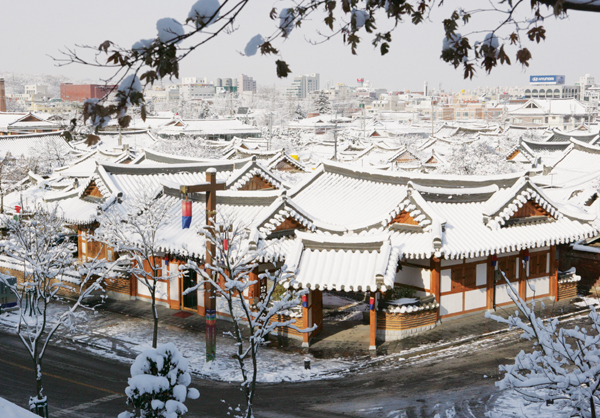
(10, 410)
(108, 335)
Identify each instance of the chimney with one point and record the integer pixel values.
(2, 96)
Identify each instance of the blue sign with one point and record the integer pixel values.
(547, 79)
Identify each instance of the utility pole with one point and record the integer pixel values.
(432, 116)
(364, 121)
(335, 139)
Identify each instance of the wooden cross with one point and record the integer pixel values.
(210, 302)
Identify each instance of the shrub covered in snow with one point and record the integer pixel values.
(158, 386)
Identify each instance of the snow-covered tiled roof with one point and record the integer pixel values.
(33, 144)
(365, 263)
(240, 177)
(580, 164)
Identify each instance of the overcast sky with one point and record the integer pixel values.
(30, 30)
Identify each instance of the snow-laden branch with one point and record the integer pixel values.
(230, 275)
(45, 268)
(564, 366)
(132, 230)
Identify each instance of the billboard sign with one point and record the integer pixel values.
(547, 79)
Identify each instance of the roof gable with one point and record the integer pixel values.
(523, 203)
(254, 176)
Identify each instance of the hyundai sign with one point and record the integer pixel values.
(547, 79)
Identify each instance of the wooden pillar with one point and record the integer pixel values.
(306, 317)
(491, 284)
(253, 290)
(373, 321)
(435, 287)
(553, 272)
(522, 269)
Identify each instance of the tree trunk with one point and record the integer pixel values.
(155, 317)
(593, 407)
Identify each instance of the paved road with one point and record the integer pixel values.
(80, 384)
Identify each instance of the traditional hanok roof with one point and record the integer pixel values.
(404, 156)
(579, 164)
(241, 208)
(357, 198)
(364, 263)
(109, 141)
(32, 144)
(442, 215)
(129, 178)
(282, 161)
(208, 127)
(238, 152)
(564, 137)
(254, 176)
(550, 107)
(155, 157)
(435, 159)
(25, 122)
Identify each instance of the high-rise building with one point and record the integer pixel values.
(2, 96)
(304, 85)
(246, 84)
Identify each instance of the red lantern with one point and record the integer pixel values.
(225, 244)
(18, 208)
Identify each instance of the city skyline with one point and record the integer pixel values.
(406, 67)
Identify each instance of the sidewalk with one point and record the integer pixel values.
(350, 338)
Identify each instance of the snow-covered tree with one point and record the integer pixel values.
(37, 247)
(158, 386)
(133, 231)
(204, 110)
(479, 158)
(322, 104)
(190, 146)
(564, 366)
(299, 113)
(233, 261)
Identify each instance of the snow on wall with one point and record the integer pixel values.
(475, 299)
(414, 276)
(451, 304)
(541, 286)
